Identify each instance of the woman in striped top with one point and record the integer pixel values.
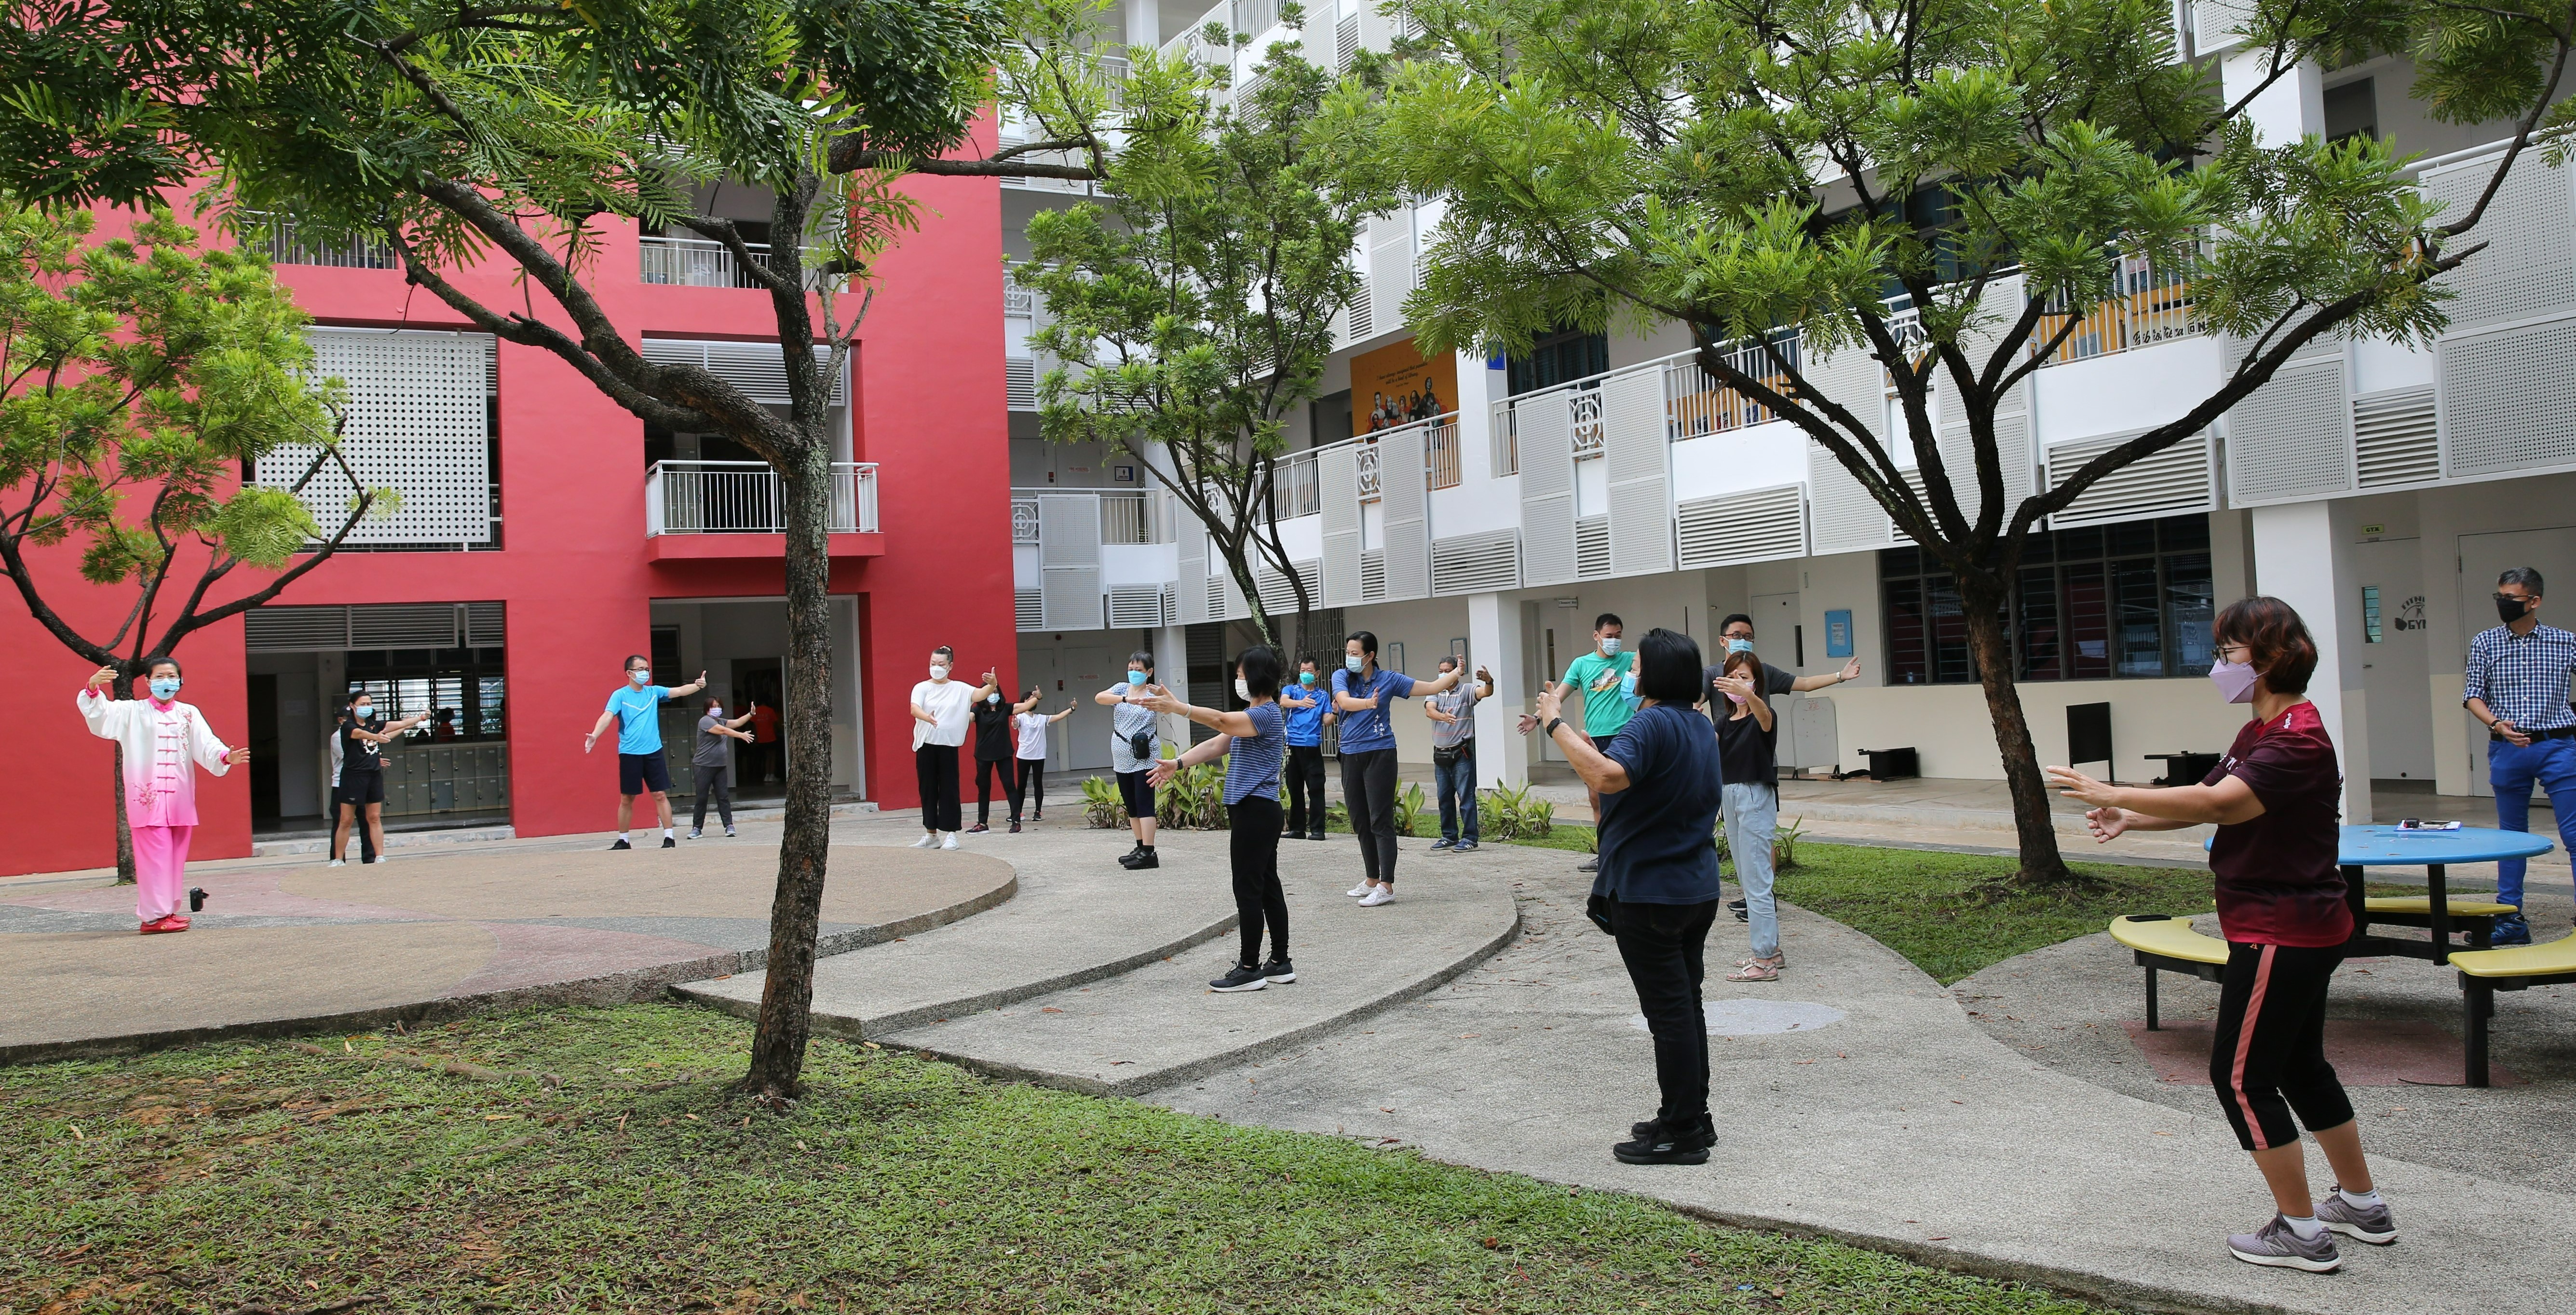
(1253, 742)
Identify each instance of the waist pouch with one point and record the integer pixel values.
(1597, 908)
(1448, 757)
(1141, 745)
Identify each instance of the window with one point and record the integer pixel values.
(2352, 110)
(2100, 603)
(1560, 357)
(2370, 632)
(462, 689)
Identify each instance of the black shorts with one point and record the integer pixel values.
(359, 789)
(1135, 792)
(639, 772)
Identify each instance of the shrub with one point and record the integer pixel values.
(1408, 808)
(1101, 805)
(1509, 813)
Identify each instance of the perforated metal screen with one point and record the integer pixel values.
(419, 423)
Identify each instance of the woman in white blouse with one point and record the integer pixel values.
(161, 738)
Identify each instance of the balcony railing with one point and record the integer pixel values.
(1126, 518)
(1440, 452)
(697, 262)
(1297, 489)
(2152, 306)
(278, 237)
(1696, 404)
(746, 497)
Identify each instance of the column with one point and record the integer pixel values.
(1144, 28)
(1494, 641)
(2303, 556)
(1171, 646)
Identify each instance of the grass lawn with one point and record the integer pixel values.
(1944, 912)
(599, 1165)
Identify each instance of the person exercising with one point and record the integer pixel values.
(636, 707)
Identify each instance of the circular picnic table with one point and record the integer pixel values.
(2390, 846)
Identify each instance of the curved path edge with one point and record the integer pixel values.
(605, 989)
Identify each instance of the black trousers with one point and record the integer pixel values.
(1028, 783)
(1305, 782)
(1258, 899)
(936, 765)
(1664, 947)
(989, 773)
(2267, 1056)
(1368, 790)
(715, 781)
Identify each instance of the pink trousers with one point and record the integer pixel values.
(160, 870)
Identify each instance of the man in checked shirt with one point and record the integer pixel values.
(2517, 685)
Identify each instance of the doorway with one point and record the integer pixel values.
(1776, 636)
(2396, 658)
(265, 796)
(1085, 734)
(2481, 558)
(761, 766)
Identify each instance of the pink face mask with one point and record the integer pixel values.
(2234, 679)
(1736, 699)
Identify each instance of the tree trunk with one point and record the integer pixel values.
(786, 1001)
(124, 831)
(2041, 864)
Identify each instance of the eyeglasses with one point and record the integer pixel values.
(2225, 649)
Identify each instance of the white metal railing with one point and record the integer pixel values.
(2152, 306)
(1297, 487)
(1126, 518)
(697, 262)
(277, 236)
(747, 497)
(1440, 452)
(1018, 299)
(1696, 404)
(1024, 520)
(1369, 456)
(1188, 42)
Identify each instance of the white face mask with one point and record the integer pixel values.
(938, 672)
(1610, 646)
(715, 712)
(1242, 690)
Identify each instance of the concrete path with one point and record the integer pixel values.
(284, 946)
(1858, 1100)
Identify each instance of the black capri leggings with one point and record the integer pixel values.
(1136, 791)
(1258, 899)
(2268, 1054)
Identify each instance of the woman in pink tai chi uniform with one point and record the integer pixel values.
(161, 738)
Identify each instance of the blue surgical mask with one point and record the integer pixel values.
(362, 711)
(1135, 677)
(1739, 646)
(640, 677)
(992, 698)
(1353, 663)
(165, 688)
(1628, 685)
(1610, 646)
(1305, 678)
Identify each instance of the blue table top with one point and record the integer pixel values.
(2383, 846)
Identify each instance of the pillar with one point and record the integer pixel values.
(2303, 556)
(1145, 29)
(1171, 646)
(1494, 640)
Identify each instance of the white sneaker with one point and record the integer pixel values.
(948, 841)
(928, 839)
(1359, 890)
(339, 863)
(1381, 895)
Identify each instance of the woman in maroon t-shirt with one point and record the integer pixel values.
(2281, 906)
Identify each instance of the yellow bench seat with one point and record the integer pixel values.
(2547, 959)
(2170, 938)
(2422, 905)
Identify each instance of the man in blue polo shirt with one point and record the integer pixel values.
(1307, 717)
(636, 707)
(1360, 694)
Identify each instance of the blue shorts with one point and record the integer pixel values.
(638, 772)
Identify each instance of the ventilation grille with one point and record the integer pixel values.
(2214, 24)
(1028, 607)
(2506, 398)
(1476, 563)
(1762, 526)
(339, 627)
(1020, 382)
(1373, 575)
(754, 367)
(1072, 597)
(2175, 482)
(1591, 547)
(1135, 606)
(2293, 438)
(1279, 593)
(2396, 438)
(1216, 600)
(1362, 326)
(419, 423)
(1346, 43)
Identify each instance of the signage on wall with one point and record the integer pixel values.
(1395, 385)
(1838, 633)
(1123, 474)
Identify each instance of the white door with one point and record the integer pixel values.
(2481, 557)
(2396, 658)
(1775, 632)
(1084, 736)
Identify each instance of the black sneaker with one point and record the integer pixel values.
(1644, 1127)
(1241, 979)
(621, 844)
(669, 843)
(1463, 846)
(1144, 859)
(1661, 1143)
(1736, 907)
(977, 829)
(1279, 971)
(1015, 828)
(1316, 834)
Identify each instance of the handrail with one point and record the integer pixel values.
(746, 497)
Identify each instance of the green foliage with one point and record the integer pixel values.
(1409, 810)
(1784, 844)
(1194, 799)
(143, 375)
(1510, 813)
(1101, 804)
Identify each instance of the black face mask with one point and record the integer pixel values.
(2511, 608)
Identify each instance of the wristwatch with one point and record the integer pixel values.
(1552, 724)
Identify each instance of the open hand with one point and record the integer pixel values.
(2077, 786)
(1157, 698)
(2107, 823)
(1851, 669)
(2504, 727)
(238, 756)
(590, 741)
(1739, 686)
(1550, 707)
(1163, 771)
(103, 679)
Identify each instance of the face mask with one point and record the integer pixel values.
(1305, 678)
(165, 688)
(2234, 679)
(1739, 646)
(938, 672)
(2511, 608)
(640, 677)
(1353, 663)
(1242, 690)
(715, 712)
(1736, 699)
(1610, 646)
(992, 698)
(1628, 686)
(1135, 677)
(362, 712)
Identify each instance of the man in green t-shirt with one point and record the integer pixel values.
(1607, 679)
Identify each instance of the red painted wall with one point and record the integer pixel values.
(928, 408)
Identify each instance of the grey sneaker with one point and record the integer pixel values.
(2278, 1245)
(2361, 1223)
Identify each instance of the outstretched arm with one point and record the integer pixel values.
(1205, 751)
(1850, 671)
(597, 730)
(1222, 722)
(691, 688)
(2118, 809)
(1599, 770)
